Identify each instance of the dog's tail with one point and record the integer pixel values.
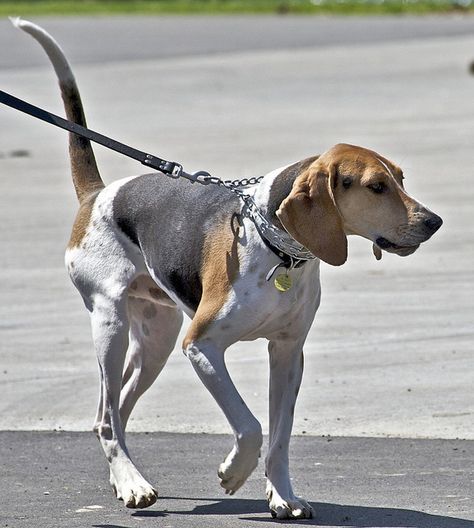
(85, 174)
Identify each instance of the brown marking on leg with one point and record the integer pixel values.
(220, 268)
(144, 287)
(82, 221)
(150, 311)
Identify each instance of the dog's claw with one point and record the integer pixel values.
(142, 500)
(134, 491)
(291, 509)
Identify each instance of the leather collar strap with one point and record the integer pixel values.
(288, 262)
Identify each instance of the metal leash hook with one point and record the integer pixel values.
(202, 177)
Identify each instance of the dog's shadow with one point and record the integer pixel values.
(326, 514)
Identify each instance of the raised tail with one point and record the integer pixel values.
(85, 174)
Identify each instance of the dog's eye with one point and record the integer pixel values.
(377, 188)
(346, 182)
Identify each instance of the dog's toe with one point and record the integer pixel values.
(291, 509)
(141, 498)
(131, 487)
(236, 468)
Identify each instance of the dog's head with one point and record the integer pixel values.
(351, 190)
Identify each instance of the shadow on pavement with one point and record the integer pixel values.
(326, 514)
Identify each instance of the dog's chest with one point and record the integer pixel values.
(259, 309)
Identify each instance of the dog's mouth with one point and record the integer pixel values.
(402, 251)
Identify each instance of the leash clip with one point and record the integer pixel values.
(177, 171)
(204, 178)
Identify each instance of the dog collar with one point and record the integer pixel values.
(291, 252)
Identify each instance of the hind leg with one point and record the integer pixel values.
(154, 328)
(103, 283)
(110, 333)
(153, 332)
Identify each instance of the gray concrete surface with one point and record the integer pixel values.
(363, 483)
(390, 353)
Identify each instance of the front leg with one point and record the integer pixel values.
(286, 370)
(208, 361)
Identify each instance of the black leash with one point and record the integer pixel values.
(171, 168)
(175, 170)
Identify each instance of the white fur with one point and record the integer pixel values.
(52, 48)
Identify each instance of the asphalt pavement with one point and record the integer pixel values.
(391, 351)
(353, 482)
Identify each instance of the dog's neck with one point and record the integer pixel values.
(276, 186)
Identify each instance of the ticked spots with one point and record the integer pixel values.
(150, 311)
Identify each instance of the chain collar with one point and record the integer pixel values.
(276, 238)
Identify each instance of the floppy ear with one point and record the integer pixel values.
(310, 215)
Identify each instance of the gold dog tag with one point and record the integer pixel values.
(283, 282)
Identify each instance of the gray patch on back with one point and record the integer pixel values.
(169, 220)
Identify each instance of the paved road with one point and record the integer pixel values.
(363, 483)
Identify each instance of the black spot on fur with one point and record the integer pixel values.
(128, 229)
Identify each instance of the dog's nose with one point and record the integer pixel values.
(433, 223)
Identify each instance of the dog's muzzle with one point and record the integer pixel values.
(429, 226)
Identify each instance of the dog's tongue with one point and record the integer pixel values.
(377, 251)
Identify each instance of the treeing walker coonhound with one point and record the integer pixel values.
(146, 249)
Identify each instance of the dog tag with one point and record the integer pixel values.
(282, 282)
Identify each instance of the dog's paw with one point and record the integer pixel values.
(292, 508)
(236, 468)
(133, 490)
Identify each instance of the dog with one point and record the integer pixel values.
(145, 249)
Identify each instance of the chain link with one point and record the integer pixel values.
(281, 240)
(244, 182)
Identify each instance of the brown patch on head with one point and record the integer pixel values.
(82, 221)
(352, 190)
(282, 184)
(372, 200)
(310, 215)
(220, 268)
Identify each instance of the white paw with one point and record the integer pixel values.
(133, 489)
(291, 508)
(236, 468)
